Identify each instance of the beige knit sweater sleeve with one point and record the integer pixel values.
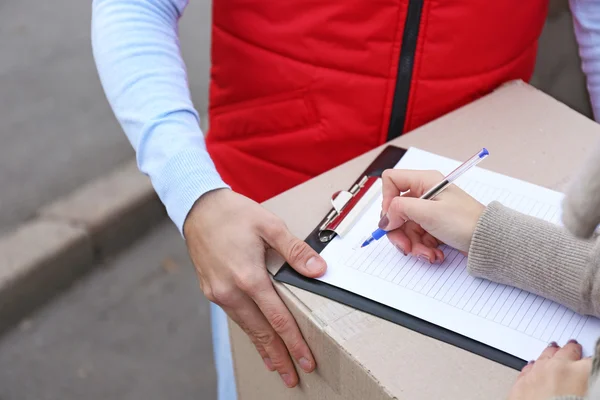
(557, 263)
(581, 207)
(528, 253)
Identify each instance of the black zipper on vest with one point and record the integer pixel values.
(405, 68)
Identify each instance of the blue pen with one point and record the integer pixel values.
(437, 189)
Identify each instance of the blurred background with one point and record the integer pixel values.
(138, 327)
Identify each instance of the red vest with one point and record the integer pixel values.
(299, 87)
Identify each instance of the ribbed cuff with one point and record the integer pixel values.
(186, 176)
(534, 255)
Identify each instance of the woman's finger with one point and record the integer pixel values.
(399, 239)
(396, 181)
(584, 365)
(433, 244)
(526, 369)
(439, 255)
(414, 233)
(570, 351)
(549, 351)
(429, 240)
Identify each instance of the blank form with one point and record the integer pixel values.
(512, 320)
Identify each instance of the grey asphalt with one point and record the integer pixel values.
(136, 328)
(56, 128)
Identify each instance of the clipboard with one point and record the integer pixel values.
(346, 206)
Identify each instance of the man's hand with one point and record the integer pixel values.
(227, 236)
(557, 372)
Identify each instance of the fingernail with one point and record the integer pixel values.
(552, 344)
(423, 258)
(573, 341)
(383, 222)
(314, 264)
(401, 250)
(287, 378)
(268, 363)
(305, 364)
(531, 362)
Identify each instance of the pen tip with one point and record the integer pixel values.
(366, 242)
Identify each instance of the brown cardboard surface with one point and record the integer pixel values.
(531, 137)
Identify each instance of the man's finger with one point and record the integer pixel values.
(259, 347)
(296, 252)
(285, 326)
(263, 334)
(570, 351)
(396, 181)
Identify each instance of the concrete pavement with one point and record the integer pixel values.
(136, 328)
(56, 128)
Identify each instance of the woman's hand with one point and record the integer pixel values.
(418, 226)
(557, 372)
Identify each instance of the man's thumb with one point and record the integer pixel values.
(296, 252)
(402, 209)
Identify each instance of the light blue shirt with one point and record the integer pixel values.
(138, 57)
(137, 53)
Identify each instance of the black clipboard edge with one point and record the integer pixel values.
(286, 274)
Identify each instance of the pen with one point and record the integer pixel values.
(439, 188)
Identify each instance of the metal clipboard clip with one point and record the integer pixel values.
(348, 206)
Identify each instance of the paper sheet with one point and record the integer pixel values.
(512, 320)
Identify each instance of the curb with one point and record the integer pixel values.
(69, 237)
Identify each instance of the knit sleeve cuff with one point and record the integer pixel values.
(183, 180)
(534, 255)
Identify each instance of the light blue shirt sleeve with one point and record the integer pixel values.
(136, 49)
(137, 53)
(586, 18)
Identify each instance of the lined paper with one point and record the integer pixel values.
(512, 320)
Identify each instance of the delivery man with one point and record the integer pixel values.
(297, 87)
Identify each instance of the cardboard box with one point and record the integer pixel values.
(531, 137)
